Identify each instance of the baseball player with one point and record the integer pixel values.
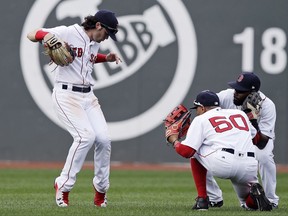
(77, 106)
(220, 140)
(246, 83)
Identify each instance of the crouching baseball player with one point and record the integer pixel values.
(218, 140)
(244, 94)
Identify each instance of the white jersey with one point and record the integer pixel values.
(80, 71)
(220, 128)
(267, 116)
(80, 111)
(267, 167)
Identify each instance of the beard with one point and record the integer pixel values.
(237, 102)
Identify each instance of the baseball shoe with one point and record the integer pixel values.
(201, 204)
(244, 206)
(61, 197)
(215, 204)
(258, 195)
(100, 199)
(274, 206)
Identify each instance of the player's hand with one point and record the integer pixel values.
(177, 123)
(252, 112)
(252, 105)
(113, 57)
(171, 139)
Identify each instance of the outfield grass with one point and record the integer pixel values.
(30, 192)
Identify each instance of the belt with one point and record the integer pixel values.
(231, 151)
(78, 89)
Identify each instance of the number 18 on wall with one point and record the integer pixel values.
(273, 58)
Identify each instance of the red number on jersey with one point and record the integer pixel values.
(222, 124)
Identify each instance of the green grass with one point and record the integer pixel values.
(30, 192)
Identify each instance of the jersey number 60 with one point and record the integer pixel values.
(222, 124)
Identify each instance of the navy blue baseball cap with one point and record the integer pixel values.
(108, 21)
(246, 82)
(206, 98)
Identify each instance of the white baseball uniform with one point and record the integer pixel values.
(79, 110)
(265, 157)
(223, 141)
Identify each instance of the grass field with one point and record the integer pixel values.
(30, 192)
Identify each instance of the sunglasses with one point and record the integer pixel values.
(197, 103)
(112, 30)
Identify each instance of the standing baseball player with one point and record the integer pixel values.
(247, 84)
(220, 140)
(75, 103)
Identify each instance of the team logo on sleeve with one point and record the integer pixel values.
(156, 41)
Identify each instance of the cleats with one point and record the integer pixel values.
(100, 199)
(201, 204)
(216, 204)
(61, 198)
(258, 195)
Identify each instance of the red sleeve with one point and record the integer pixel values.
(100, 58)
(40, 35)
(256, 139)
(183, 150)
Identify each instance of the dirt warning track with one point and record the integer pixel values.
(281, 168)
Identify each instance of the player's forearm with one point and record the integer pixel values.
(37, 35)
(31, 35)
(110, 57)
(101, 58)
(260, 140)
(183, 150)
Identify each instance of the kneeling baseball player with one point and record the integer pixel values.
(221, 141)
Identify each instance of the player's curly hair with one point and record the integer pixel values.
(89, 22)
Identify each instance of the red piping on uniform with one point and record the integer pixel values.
(68, 176)
(83, 77)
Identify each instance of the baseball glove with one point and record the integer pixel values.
(252, 105)
(59, 51)
(177, 122)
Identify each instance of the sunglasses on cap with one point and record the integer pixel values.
(197, 104)
(110, 29)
